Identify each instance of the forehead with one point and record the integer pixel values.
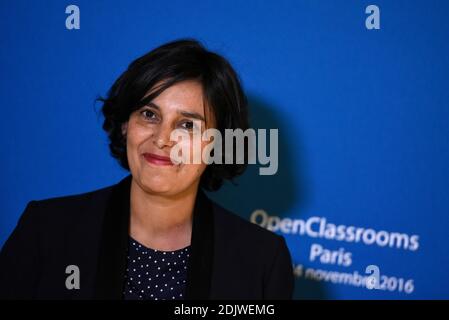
(185, 95)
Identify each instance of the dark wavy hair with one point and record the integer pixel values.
(185, 59)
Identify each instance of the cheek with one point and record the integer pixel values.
(195, 150)
(136, 135)
(194, 167)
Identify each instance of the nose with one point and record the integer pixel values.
(161, 137)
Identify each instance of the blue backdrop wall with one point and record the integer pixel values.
(363, 119)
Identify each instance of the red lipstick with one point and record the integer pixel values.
(157, 159)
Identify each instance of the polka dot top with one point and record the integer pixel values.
(155, 275)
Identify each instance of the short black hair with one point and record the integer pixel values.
(171, 63)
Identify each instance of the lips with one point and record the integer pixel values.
(157, 159)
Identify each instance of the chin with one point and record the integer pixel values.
(155, 184)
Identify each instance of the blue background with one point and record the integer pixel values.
(363, 115)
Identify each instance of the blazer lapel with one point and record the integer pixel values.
(111, 264)
(114, 243)
(200, 264)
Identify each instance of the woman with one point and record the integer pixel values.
(155, 234)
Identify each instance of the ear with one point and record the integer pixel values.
(124, 128)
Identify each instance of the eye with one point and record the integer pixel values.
(148, 114)
(188, 125)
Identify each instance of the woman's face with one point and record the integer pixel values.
(148, 139)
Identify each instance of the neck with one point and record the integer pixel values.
(161, 222)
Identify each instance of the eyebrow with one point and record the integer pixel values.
(188, 114)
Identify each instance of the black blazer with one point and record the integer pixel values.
(231, 258)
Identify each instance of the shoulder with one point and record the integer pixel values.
(243, 233)
(65, 210)
(259, 258)
(74, 200)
